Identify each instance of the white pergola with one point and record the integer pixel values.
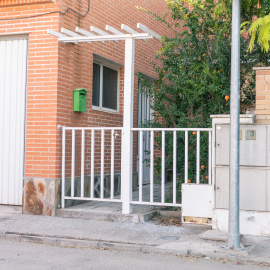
(129, 35)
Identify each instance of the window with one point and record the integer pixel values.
(105, 87)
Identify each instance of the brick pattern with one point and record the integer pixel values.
(262, 94)
(55, 69)
(41, 112)
(9, 3)
(78, 73)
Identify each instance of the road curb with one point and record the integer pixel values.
(155, 249)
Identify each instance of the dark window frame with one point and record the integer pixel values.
(100, 86)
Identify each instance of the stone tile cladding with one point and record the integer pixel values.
(41, 196)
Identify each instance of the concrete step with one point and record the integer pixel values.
(107, 212)
(10, 209)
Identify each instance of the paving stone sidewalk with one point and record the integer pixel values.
(194, 240)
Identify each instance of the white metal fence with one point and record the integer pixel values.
(85, 158)
(89, 154)
(158, 150)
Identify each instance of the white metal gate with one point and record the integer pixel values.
(92, 152)
(13, 74)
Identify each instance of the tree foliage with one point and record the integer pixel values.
(194, 75)
(260, 30)
(255, 18)
(250, 9)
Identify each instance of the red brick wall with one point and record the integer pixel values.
(76, 61)
(54, 69)
(9, 3)
(41, 116)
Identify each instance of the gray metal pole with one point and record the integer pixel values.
(233, 233)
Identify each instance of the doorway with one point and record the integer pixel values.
(13, 77)
(145, 116)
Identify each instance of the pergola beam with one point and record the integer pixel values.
(55, 33)
(147, 30)
(70, 33)
(104, 38)
(128, 29)
(98, 31)
(113, 30)
(85, 33)
(81, 35)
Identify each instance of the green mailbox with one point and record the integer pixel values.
(80, 100)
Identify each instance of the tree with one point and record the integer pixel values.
(260, 29)
(255, 19)
(194, 75)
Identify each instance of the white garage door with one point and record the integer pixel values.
(13, 74)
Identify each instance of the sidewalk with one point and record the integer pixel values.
(194, 240)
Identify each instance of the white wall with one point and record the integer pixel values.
(251, 222)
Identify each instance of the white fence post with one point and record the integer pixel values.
(112, 163)
(82, 162)
(73, 163)
(198, 165)
(63, 166)
(210, 158)
(127, 135)
(186, 156)
(163, 167)
(92, 163)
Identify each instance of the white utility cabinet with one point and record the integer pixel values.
(254, 166)
(197, 200)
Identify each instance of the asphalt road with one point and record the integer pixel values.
(24, 255)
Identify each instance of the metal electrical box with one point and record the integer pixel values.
(254, 167)
(80, 100)
(197, 200)
(253, 142)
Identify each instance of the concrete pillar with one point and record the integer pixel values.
(262, 94)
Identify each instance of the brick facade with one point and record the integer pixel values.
(262, 94)
(41, 111)
(55, 70)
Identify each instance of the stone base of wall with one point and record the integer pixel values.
(41, 196)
